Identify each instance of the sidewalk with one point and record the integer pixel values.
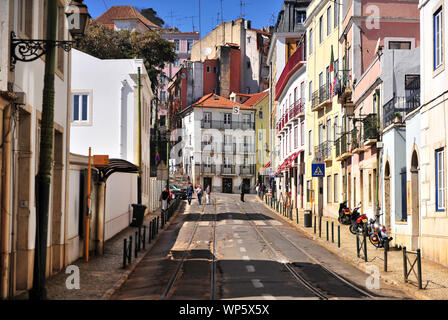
(103, 274)
(435, 276)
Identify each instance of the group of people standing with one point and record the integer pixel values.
(199, 192)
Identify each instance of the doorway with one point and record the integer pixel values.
(227, 185)
(246, 185)
(207, 182)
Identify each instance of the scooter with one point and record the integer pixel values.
(359, 221)
(378, 233)
(344, 213)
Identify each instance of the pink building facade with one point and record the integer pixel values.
(369, 27)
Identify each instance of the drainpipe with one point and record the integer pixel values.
(5, 199)
(101, 217)
(139, 147)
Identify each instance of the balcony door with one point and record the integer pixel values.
(227, 121)
(207, 120)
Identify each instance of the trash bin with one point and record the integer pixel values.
(138, 212)
(307, 219)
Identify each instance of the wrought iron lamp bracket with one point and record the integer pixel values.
(27, 50)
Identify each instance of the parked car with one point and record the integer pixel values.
(178, 191)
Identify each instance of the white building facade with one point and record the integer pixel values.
(219, 144)
(432, 156)
(104, 116)
(20, 133)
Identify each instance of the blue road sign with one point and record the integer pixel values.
(318, 169)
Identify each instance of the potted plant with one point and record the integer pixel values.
(397, 117)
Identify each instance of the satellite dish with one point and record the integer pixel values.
(206, 51)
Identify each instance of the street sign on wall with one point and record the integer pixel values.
(318, 170)
(318, 166)
(101, 160)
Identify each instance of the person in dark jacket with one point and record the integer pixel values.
(164, 197)
(190, 191)
(242, 192)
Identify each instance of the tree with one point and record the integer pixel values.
(151, 15)
(105, 43)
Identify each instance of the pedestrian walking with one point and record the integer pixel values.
(257, 189)
(190, 191)
(242, 192)
(207, 194)
(199, 192)
(164, 197)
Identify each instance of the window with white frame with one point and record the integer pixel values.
(296, 136)
(336, 190)
(310, 142)
(25, 17)
(81, 108)
(177, 44)
(336, 14)
(207, 117)
(227, 118)
(260, 114)
(321, 29)
(437, 38)
(329, 26)
(440, 180)
(310, 41)
(189, 44)
(302, 133)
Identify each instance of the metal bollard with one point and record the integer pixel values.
(125, 247)
(320, 227)
(136, 244)
(386, 248)
(327, 232)
(129, 250)
(332, 231)
(314, 224)
(357, 244)
(297, 215)
(150, 232)
(143, 241)
(365, 246)
(339, 236)
(419, 268)
(405, 265)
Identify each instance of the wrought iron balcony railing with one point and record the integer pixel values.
(370, 129)
(229, 169)
(247, 169)
(221, 125)
(324, 149)
(399, 107)
(324, 93)
(208, 168)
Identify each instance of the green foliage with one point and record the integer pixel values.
(105, 43)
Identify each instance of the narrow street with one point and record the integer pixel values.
(236, 250)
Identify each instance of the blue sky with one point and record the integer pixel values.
(180, 12)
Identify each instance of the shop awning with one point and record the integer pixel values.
(262, 170)
(293, 157)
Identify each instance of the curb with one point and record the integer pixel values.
(110, 292)
(359, 265)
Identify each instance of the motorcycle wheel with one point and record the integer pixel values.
(353, 228)
(373, 238)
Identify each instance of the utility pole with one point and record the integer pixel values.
(43, 177)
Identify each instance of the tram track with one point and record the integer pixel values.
(281, 258)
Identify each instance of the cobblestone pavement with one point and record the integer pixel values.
(102, 275)
(435, 276)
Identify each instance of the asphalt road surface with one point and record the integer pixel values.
(242, 250)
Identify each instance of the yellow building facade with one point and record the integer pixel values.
(324, 115)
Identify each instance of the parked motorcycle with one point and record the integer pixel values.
(378, 233)
(344, 213)
(359, 222)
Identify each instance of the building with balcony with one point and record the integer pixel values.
(286, 59)
(218, 144)
(365, 83)
(323, 112)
